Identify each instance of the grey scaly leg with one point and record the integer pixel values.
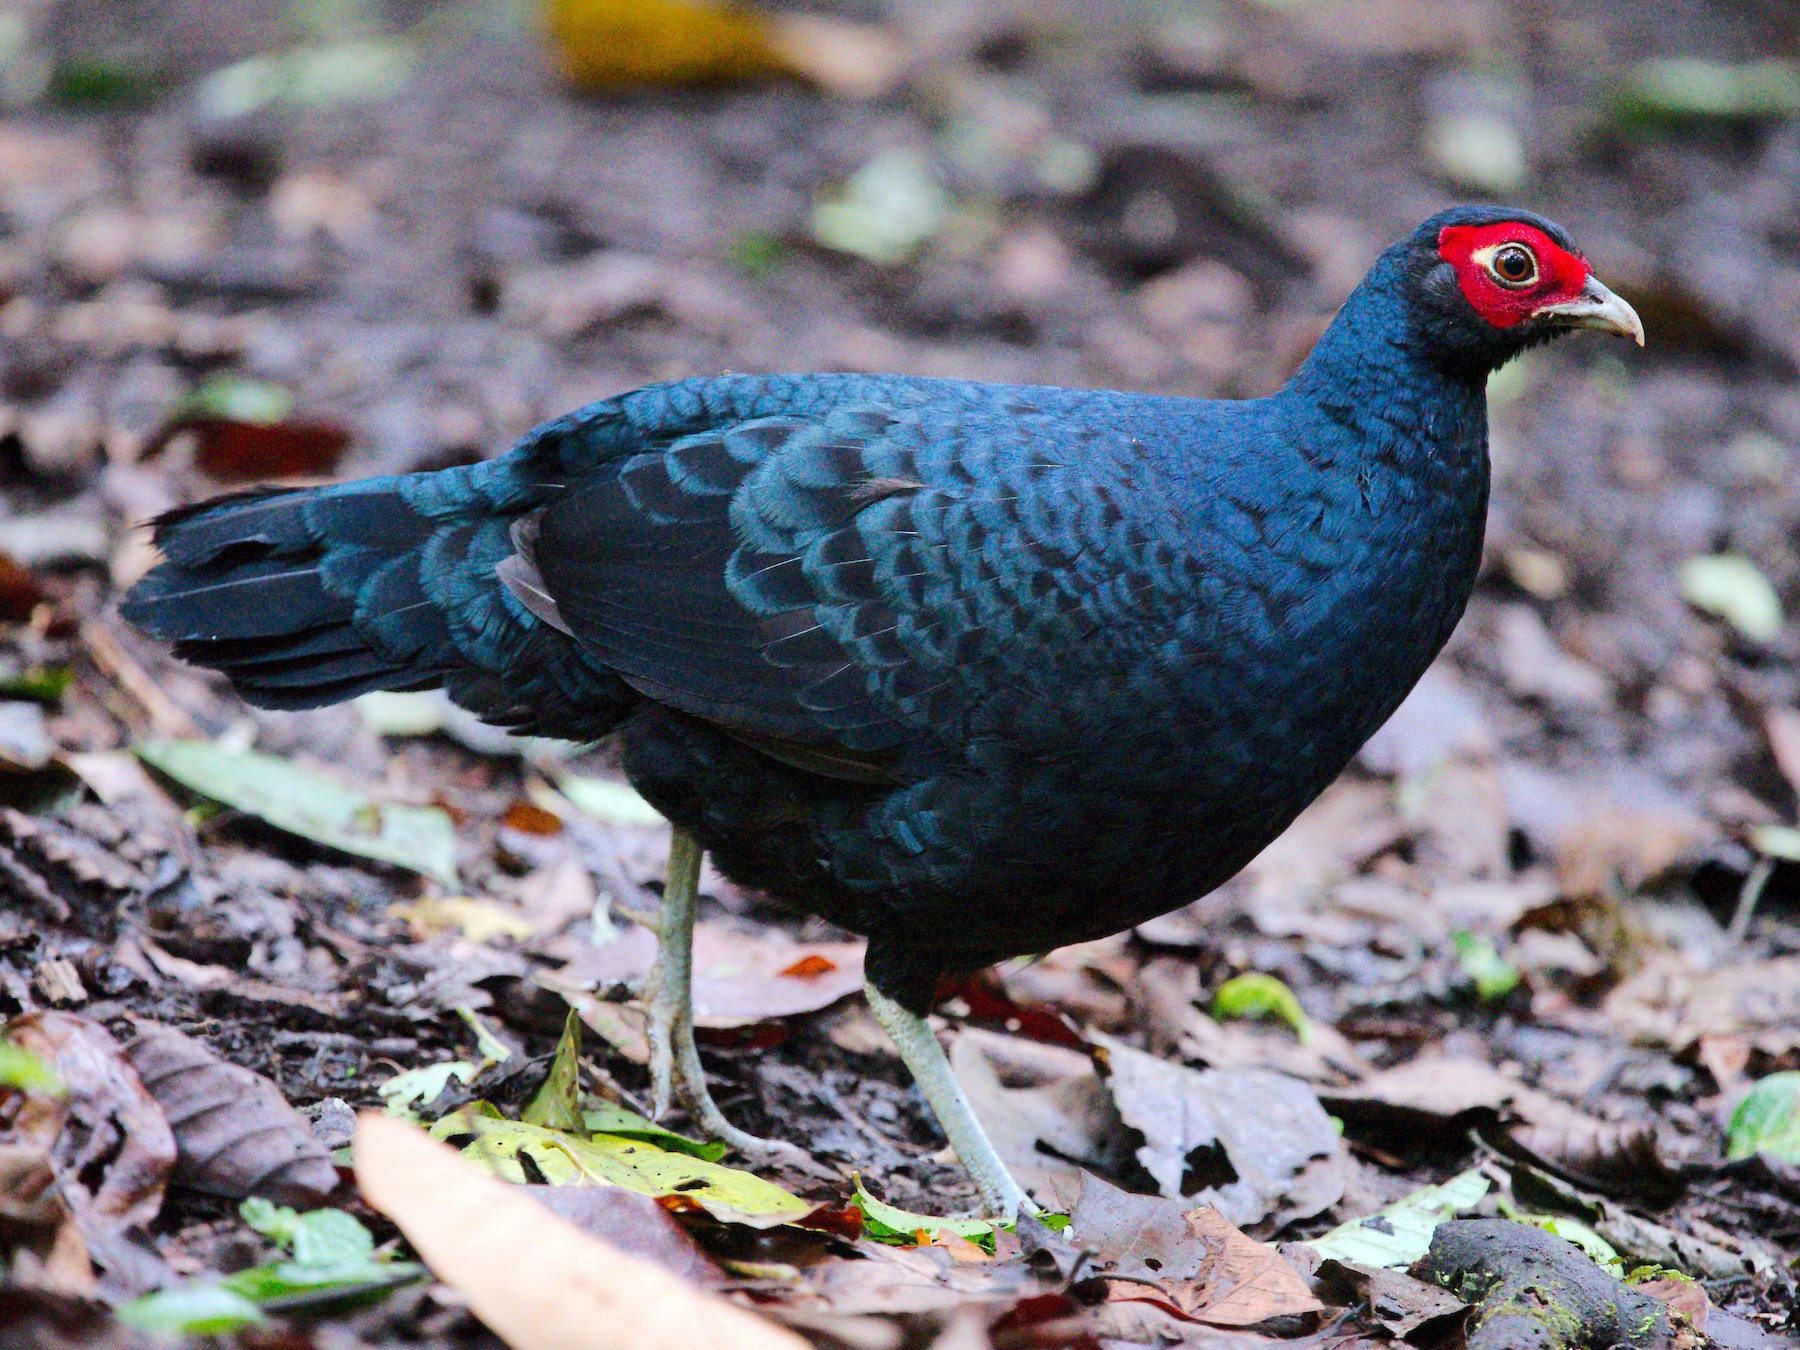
(1002, 1196)
(669, 992)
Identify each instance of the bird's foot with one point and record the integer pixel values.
(675, 1071)
(674, 1058)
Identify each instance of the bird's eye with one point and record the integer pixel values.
(1514, 266)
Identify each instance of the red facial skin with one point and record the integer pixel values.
(1561, 274)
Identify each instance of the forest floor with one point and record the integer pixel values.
(1540, 943)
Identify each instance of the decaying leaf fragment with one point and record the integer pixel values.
(102, 1140)
(235, 1133)
(1249, 1142)
(536, 1281)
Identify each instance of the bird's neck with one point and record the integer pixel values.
(1373, 374)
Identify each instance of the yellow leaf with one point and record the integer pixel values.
(564, 1159)
(477, 920)
(615, 44)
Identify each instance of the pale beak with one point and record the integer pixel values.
(1596, 307)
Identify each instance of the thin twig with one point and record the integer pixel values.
(1748, 896)
(167, 718)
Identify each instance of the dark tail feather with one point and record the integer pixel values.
(302, 597)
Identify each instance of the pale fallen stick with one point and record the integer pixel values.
(167, 718)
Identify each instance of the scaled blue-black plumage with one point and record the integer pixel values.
(973, 669)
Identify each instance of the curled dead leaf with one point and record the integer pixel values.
(103, 1139)
(1235, 1281)
(1254, 1144)
(1620, 1159)
(231, 450)
(235, 1133)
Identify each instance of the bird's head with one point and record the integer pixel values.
(1495, 281)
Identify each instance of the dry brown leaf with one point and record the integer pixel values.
(104, 1140)
(1459, 811)
(1783, 728)
(1046, 1130)
(637, 1224)
(1393, 1298)
(20, 591)
(1670, 1003)
(234, 451)
(1620, 1159)
(530, 818)
(536, 1281)
(1429, 1095)
(618, 44)
(1212, 1272)
(740, 976)
(1621, 832)
(852, 60)
(1437, 721)
(1145, 1236)
(896, 1281)
(235, 1133)
(1687, 1303)
(557, 894)
(1257, 1145)
(1244, 1281)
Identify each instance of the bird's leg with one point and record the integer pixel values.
(669, 992)
(1003, 1196)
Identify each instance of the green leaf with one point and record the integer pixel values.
(884, 1223)
(887, 210)
(21, 1069)
(757, 253)
(1768, 1120)
(40, 684)
(330, 1237)
(1679, 90)
(624, 1123)
(1776, 841)
(1598, 1249)
(1255, 996)
(273, 1221)
(1493, 976)
(422, 1086)
(311, 805)
(557, 1105)
(319, 1237)
(1397, 1236)
(288, 1286)
(238, 398)
(327, 73)
(608, 800)
(1732, 588)
(606, 1160)
(334, 1259)
(193, 1310)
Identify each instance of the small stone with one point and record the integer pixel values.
(332, 1121)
